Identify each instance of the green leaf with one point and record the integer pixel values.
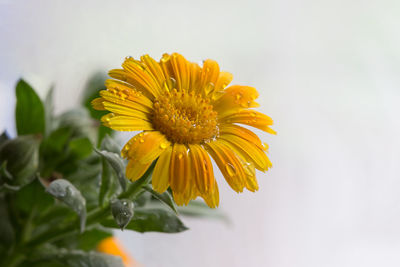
(79, 258)
(109, 185)
(34, 191)
(4, 137)
(110, 145)
(66, 192)
(116, 163)
(92, 237)
(4, 174)
(22, 157)
(165, 198)
(7, 232)
(80, 147)
(122, 210)
(79, 122)
(29, 111)
(151, 220)
(49, 110)
(94, 85)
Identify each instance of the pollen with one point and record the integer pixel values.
(185, 118)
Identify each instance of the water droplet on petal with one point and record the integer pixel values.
(163, 145)
(141, 140)
(180, 156)
(230, 169)
(265, 146)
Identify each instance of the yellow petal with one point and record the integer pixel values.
(135, 170)
(126, 123)
(136, 70)
(178, 170)
(181, 71)
(236, 97)
(228, 163)
(126, 111)
(160, 178)
(224, 79)
(145, 147)
(125, 91)
(203, 171)
(250, 117)
(97, 103)
(209, 76)
(249, 170)
(212, 198)
(247, 150)
(154, 68)
(241, 132)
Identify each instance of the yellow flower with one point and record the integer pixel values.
(186, 113)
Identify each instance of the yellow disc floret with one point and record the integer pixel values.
(185, 118)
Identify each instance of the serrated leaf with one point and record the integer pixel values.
(165, 198)
(29, 110)
(122, 210)
(66, 192)
(151, 220)
(116, 163)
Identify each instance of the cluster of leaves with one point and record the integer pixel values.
(63, 187)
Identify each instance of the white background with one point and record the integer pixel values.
(328, 73)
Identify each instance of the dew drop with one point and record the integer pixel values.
(230, 169)
(265, 146)
(180, 156)
(163, 145)
(141, 140)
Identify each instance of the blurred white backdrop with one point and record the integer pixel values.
(327, 73)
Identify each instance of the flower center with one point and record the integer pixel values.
(185, 117)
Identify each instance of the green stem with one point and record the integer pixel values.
(95, 215)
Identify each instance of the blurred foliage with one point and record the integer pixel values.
(63, 187)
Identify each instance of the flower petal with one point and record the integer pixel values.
(212, 198)
(236, 97)
(125, 91)
(126, 123)
(178, 170)
(250, 117)
(145, 147)
(160, 178)
(203, 171)
(247, 150)
(154, 68)
(135, 170)
(242, 132)
(97, 103)
(228, 163)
